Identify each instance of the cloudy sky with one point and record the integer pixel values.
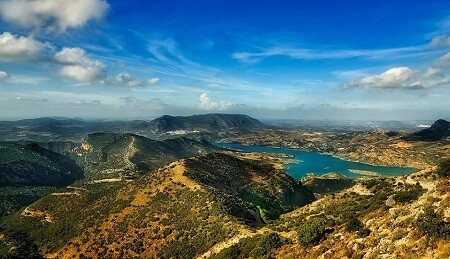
(379, 60)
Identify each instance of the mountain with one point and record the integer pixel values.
(63, 129)
(111, 154)
(206, 123)
(181, 210)
(438, 131)
(32, 165)
(29, 172)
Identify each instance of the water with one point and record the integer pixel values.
(319, 164)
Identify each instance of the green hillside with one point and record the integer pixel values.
(180, 210)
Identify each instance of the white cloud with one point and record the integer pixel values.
(14, 47)
(405, 78)
(128, 80)
(207, 104)
(79, 66)
(320, 54)
(153, 81)
(393, 78)
(3, 75)
(440, 41)
(52, 15)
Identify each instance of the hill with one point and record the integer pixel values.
(181, 210)
(205, 123)
(28, 172)
(115, 154)
(438, 131)
(32, 165)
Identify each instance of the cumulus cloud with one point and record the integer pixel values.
(14, 47)
(405, 78)
(79, 66)
(207, 103)
(3, 75)
(52, 15)
(153, 81)
(126, 79)
(393, 78)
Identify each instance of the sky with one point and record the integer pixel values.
(111, 59)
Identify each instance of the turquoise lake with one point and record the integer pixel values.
(318, 163)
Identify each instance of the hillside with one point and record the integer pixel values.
(108, 155)
(28, 172)
(32, 165)
(181, 210)
(205, 123)
(401, 217)
(438, 131)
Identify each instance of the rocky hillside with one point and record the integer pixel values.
(397, 217)
(205, 123)
(183, 210)
(438, 131)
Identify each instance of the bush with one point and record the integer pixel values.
(260, 246)
(409, 194)
(312, 231)
(443, 169)
(433, 224)
(354, 225)
(364, 232)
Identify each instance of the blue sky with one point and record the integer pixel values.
(379, 60)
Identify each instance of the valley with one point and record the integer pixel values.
(122, 194)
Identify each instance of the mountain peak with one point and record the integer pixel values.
(438, 131)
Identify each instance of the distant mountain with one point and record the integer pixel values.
(32, 165)
(206, 123)
(438, 131)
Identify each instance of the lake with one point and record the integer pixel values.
(319, 164)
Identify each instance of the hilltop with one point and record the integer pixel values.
(214, 122)
(438, 131)
(116, 154)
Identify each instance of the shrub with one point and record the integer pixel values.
(443, 169)
(354, 225)
(260, 246)
(433, 224)
(312, 231)
(409, 194)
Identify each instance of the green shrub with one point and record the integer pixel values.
(443, 169)
(433, 224)
(312, 231)
(409, 193)
(260, 246)
(354, 225)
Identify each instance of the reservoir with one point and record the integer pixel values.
(319, 164)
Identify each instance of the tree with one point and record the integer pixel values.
(312, 231)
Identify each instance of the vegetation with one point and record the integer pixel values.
(432, 223)
(443, 169)
(409, 193)
(313, 231)
(260, 246)
(271, 194)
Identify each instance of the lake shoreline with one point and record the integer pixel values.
(345, 165)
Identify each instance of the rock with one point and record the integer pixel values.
(390, 202)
